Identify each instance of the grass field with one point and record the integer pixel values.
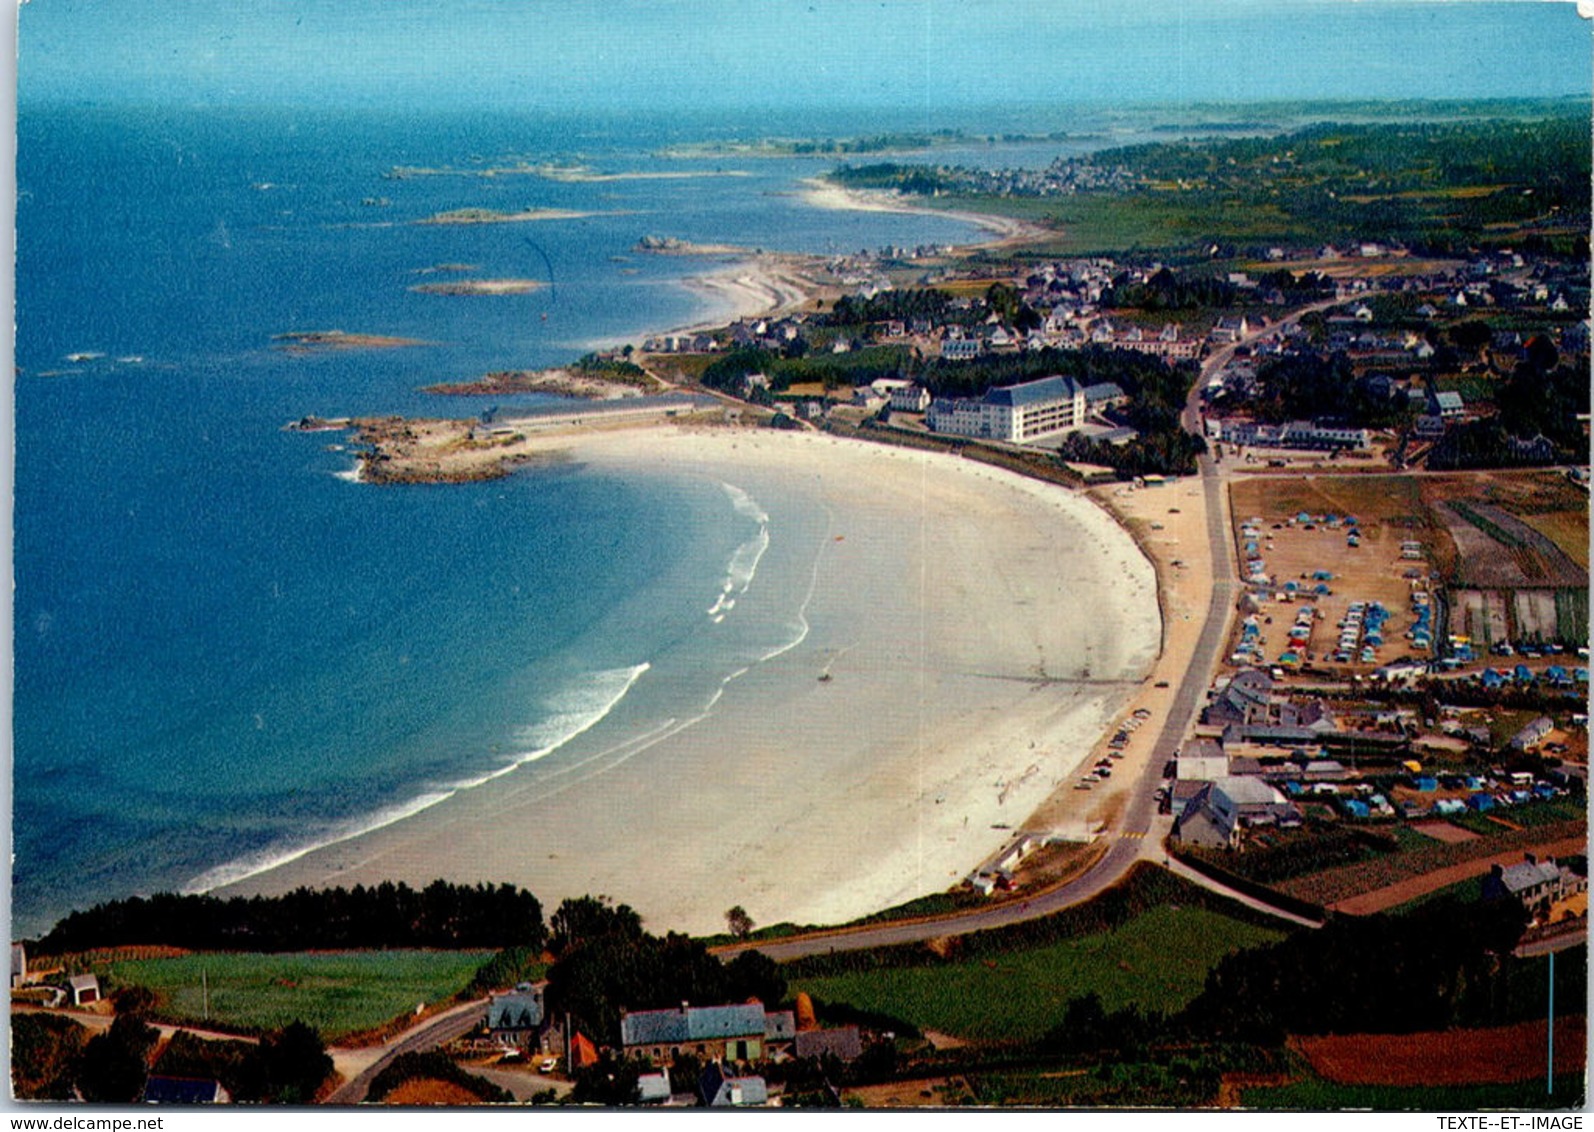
(1317, 1094)
(336, 992)
(1567, 529)
(1157, 961)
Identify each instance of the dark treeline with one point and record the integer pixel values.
(1154, 387)
(1318, 387)
(607, 963)
(1165, 290)
(905, 304)
(56, 1058)
(1538, 422)
(443, 915)
(1437, 967)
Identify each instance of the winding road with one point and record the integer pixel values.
(1140, 832)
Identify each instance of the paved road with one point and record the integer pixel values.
(1138, 835)
(1553, 943)
(445, 1027)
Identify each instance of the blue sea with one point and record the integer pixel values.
(226, 653)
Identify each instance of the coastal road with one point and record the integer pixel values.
(1137, 836)
(453, 1023)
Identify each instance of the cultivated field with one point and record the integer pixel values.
(1497, 1055)
(1394, 878)
(338, 993)
(1157, 961)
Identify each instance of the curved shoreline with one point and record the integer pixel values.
(892, 779)
(1009, 231)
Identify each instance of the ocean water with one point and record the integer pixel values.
(225, 652)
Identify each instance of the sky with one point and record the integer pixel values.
(824, 53)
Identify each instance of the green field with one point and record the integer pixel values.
(1315, 1093)
(336, 992)
(1156, 961)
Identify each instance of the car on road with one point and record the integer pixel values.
(549, 1064)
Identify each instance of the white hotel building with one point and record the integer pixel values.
(1014, 413)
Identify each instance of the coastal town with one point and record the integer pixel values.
(1355, 771)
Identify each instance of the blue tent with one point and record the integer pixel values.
(1522, 674)
(1426, 784)
(1355, 808)
(1480, 802)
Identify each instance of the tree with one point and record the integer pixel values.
(44, 1050)
(752, 974)
(134, 1000)
(115, 1064)
(740, 923)
(296, 1063)
(609, 1081)
(584, 918)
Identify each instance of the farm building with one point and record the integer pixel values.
(738, 1032)
(85, 990)
(845, 1043)
(1534, 882)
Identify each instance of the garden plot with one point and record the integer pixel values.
(1536, 617)
(1481, 615)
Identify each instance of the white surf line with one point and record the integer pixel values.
(813, 587)
(273, 857)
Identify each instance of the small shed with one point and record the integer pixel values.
(85, 990)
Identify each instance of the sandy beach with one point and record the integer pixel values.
(825, 194)
(977, 632)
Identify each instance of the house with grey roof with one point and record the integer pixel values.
(519, 1019)
(1533, 734)
(185, 1090)
(718, 1088)
(1535, 883)
(1208, 820)
(736, 1032)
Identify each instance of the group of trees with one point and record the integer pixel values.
(1165, 290)
(54, 1058)
(606, 962)
(1311, 386)
(442, 915)
(1430, 969)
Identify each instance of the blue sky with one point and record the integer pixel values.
(846, 53)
